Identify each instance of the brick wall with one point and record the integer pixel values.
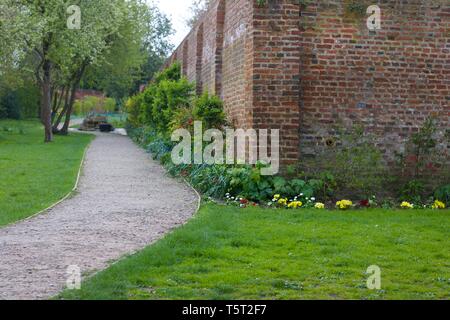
(305, 70)
(390, 80)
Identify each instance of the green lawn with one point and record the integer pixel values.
(228, 253)
(34, 175)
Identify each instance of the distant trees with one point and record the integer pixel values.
(35, 37)
(197, 9)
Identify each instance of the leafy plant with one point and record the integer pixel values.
(412, 191)
(443, 194)
(354, 164)
(247, 182)
(209, 110)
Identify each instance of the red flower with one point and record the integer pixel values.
(364, 203)
(244, 201)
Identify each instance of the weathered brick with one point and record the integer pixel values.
(303, 70)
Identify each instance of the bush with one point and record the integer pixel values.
(209, 110)
(20, 103)
(443, 194)
(133, 108)
(426, 157)
(354, 163)
(94, 104)
(182, 119)
(170, 96)
(413, 191)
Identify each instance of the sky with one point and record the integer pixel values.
(178, 12)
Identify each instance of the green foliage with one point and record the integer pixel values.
(182, 118)
(170, 96)
(133, 108)
(21, 103)
(325, 185)
(172, 73)
(443, 194)
(423, 144)
(209, 110)
(413, 191)
(94, 104)
(354, 164)
(247, 182)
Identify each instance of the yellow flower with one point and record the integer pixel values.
(438, 205)
(277, 196)
(282, 202)
(407, 205)
(319, 205)
(295, 204)
(344, 204)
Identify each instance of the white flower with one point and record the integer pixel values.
(313, 199)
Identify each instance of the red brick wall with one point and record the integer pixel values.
(303, 70)
(390, 80)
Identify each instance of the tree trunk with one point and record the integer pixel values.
(46, 102)
(65, 128)
(57, 98)
(63, 112)
(75, 86)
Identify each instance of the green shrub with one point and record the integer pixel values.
(170, 96)
(209, 110)
(94, 104)
(172, 73)
(413, 191)
(182, 118)
(133, 108)
(443, 194)
(354, 163)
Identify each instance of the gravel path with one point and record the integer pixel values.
(124, 202)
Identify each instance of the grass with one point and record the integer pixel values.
(34, 175)
(229, 253)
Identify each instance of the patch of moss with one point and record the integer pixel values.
(354, 10)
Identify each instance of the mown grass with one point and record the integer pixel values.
(229, 253)
(34, 175)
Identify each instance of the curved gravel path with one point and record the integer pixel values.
(124, 202)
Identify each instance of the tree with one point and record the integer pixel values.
(197, 9)
(134, 56)
(59, 49)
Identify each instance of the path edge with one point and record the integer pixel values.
(68, 195)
